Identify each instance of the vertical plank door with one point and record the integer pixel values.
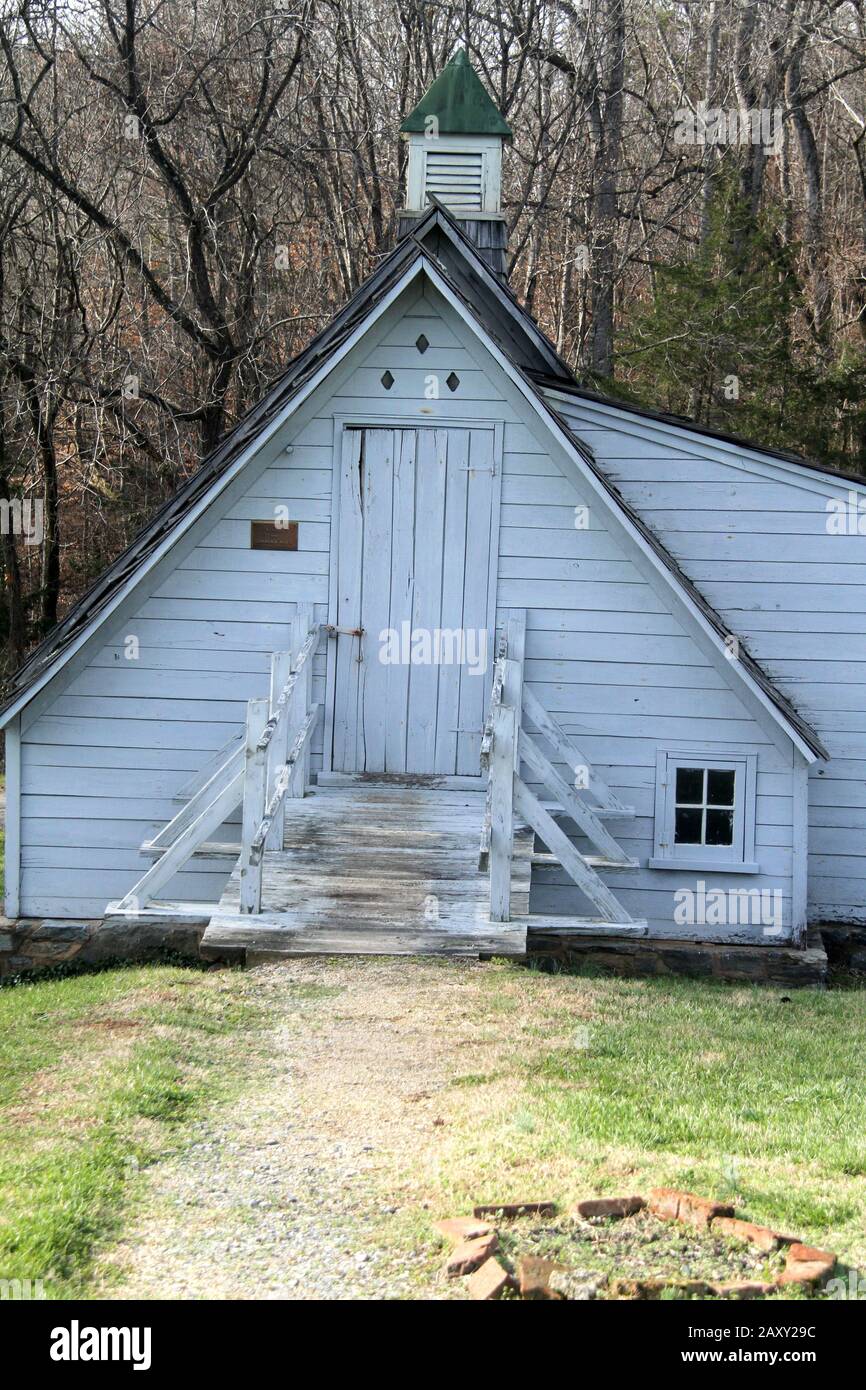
(413, 571)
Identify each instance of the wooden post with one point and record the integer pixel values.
(281, 667)
(299, 701)
(502, 757)
(255, 781)
(13, 817)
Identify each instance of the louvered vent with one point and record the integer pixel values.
(454, 178)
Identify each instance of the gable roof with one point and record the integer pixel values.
(460, 104)
(524, 350)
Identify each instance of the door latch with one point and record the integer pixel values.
(334, 631)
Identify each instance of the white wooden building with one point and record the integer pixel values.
(433, 606)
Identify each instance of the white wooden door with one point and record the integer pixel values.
(415, 572)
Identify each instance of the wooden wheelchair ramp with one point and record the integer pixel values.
(376, 870)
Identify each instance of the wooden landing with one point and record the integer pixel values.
(376, 870)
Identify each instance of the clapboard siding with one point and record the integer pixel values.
(105, 752)
(753, 535)
(623, 677)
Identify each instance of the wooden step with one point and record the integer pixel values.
(209, 849)
(271, 936)
(584, 926)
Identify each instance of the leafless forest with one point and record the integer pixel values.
(189, 190)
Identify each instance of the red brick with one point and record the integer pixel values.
(608, 1206)
(673, 1205)
(734, 1288)
(470, 1255)
(804, 1272)
(760, 1236)
(809, 1254)
(489, 1281)
(665, 1202)
(460, 1228)
(806, 1265)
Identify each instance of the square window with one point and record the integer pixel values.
(705, 810)
(719, 827)
(720, 786)
(690, 786)
(688, 825)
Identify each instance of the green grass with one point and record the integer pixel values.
(555, 1086)
(100, 1075)
(613, 1086)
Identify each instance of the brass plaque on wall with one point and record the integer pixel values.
(269, 535)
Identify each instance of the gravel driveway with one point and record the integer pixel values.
(298, 1192)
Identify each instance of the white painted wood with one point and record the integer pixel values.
(225, 775)
(207, 821)
(349, 562)
(588, 926)
(800, 865)
(569, 799)
(568, 752)
(512, 689)
(282, 785)
(281, 667)
(12, 851)
(462, 171)
(203, 775)
(415, 552)
(479, 604)
(402, 589)
(297, 709)
(502, 779)
(586, 626)
(255, 786)
(587, 880)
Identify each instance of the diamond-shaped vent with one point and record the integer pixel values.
(387, 380)
(421, 343)
(452, 381)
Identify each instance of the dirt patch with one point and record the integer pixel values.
(297, 1192)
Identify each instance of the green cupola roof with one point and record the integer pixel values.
(460, 103)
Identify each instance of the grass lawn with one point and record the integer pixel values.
(100, 1076)
(477, 1083)
(611, 1086)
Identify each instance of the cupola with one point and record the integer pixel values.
(455, 136)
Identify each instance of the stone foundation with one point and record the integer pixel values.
(28, 945)
(624, 955)
(845, 946)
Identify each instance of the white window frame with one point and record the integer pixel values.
(738, 857)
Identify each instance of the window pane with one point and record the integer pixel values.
(690, 785)
(687, 827)
(720, 786)
(720, 827)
